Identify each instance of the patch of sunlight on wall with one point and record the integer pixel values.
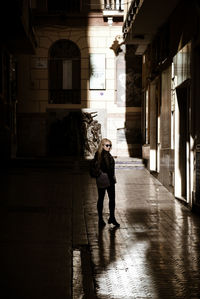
(153, 159)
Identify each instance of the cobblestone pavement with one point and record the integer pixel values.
(51, 246)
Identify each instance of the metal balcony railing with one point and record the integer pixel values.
(113, 9)
(114, 5)
(133, 9)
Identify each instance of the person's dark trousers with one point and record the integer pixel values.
(111, 196)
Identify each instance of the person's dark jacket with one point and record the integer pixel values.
(107, 165)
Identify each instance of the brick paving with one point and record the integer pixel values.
(50, 238)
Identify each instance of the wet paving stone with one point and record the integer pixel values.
(155, 253)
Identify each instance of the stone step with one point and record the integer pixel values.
(128, 162)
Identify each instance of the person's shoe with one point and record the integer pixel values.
(113, 221)
(101, 223)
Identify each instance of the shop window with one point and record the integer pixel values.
(182, 65)
(64, 73)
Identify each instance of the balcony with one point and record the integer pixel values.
(143, 20)
(78, 12)
(113, 8)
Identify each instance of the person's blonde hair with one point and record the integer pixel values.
(100, 148)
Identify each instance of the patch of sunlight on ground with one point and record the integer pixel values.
(129, 276)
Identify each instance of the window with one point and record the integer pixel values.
(182, 65)
(64, 73)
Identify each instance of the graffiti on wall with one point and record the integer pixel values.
(91, 132)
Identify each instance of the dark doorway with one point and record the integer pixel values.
(182, 100)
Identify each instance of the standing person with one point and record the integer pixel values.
(106, 180)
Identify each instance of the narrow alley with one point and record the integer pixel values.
(80, 79)
(51, 246)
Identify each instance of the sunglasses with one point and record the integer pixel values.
(108, 145)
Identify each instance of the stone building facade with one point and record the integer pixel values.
(57, 89)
